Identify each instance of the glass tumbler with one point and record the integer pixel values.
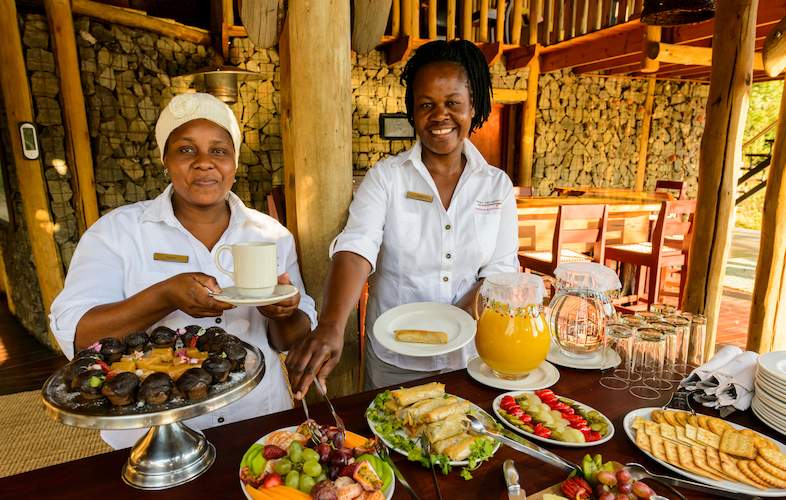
(649, 316)
(671, 371)
(683, 327)
(634, 322)
(619, 341)
(698, 333)
(649, 348)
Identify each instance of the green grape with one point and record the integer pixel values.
(295, 452)
(306, 483)
(293, 479)
(320, 477)
(310, 455)
(283, 466)
(312, 468)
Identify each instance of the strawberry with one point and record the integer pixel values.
(542, 431)
(272, 479)
(576, 488)
(526, 418)
(192, 342)
(594, 436)
(272, 452)
(349, 470)
(507, 399)
(517, 412)
(103, 365)
(544, 392)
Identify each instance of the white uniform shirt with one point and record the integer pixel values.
(114, 260)
(421, 252)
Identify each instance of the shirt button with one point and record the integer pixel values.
(220, 420)
(447, 227)
(218, 320)
(445, 279)
(447, 256)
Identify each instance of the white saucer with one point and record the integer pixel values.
(543, 376)
(231, 296)
(591, 362)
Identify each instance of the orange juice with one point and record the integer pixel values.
(512, 344)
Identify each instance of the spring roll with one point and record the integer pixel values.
(462, 448)
(413, 414)
(405, 397)
(443, 412)
(451, 426)
(422, 336)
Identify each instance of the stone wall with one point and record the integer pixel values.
(588, 129)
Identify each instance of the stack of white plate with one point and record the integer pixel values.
(769, 400)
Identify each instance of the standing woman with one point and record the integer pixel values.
(152, 263)
(429, 223)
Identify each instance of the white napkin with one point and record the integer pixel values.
(735, 381)
(704, 371)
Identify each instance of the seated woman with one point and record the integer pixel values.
(431, 222)
(118, 283)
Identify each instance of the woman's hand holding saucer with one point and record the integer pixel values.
(189, 292)
(285, 308)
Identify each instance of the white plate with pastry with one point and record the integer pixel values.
(424, 329)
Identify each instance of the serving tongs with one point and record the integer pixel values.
(339, 422)
(312, 425)
(638, 472)
(425, 446)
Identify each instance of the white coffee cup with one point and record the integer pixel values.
(254, 271)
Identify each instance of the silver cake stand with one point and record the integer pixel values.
(170, 453)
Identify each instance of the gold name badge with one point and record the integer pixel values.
(412, 195)
(169, 257)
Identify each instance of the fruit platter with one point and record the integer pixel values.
(599, 480)
(313, 461)
(548, 417)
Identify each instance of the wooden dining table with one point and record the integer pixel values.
(99, 476)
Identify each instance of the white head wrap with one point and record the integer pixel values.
(186, 107)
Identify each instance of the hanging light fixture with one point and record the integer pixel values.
(674, 12)
(219, 80)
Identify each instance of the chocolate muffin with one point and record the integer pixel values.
(220, 341)
(204, 340)
(163, 337)
(74, 368)
(121, 390)
(89, 383)
(88, 353)
(136, 342)
(236, 354)
(194, 383)
(190, 334)
(156, 389)
(112, 349)
(217, 367)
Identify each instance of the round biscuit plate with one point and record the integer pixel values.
(543, 376)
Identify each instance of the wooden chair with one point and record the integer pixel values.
(276, 207)
(547, 262)
(663, 185)
(675, 224)
(523, 191)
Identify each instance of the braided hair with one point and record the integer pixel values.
(466, 55)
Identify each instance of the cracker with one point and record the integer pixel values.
(762, 442)
(643, 441)
(775, 471)
(657, 416)
(704, 422)
(691, 432)
(744, 466)
(700, 459)
(656, 443)
(672, 456)
(693, 420)
(670, 417)
(724, 458)
(734, 472)
(713, 460)
(681, 417)
(718, 426)
(708, 438)
(737, 444)
(651, 428)
(686, 460)
(638, 423)
(776, 458)
(668, 431)
(765, 476)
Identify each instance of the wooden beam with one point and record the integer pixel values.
(466, 21)
(545, 25)
(509, 96)
(499, 29)
(652, 34)
(688, 54)
(432, 19)
(768, 15)
(515, 24)
(451, 20)
(30, 176)
(368, 23)
(138, 19)
(406, 17)
(774, 53)
(491, 52)
(77, 137)
(556, 28)
(644, 138)
(519, 57)
(318, 159)
(483, 28)
(398, 50)
(720, 160)
(395, 18)
(530, 110)
(534, 15)
(593, 48)
(767, 323)
(416, 19)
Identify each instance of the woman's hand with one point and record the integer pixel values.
(285, 308)
(189, 292)
(315, 356)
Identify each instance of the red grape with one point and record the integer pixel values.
(641, 490)
(607, 496)
(623, 476)
(621, 496)
(601, 490)
(624, 488)
(607, 478)
(324, 451)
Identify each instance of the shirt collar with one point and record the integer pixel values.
(160, 209)
(475, 161)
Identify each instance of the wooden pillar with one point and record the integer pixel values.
(767, 324)
(466, 21)
(721, 155)
(78, 151)
(451, 20)
(644, 138)
(527, 156)
(318, 152)
(30, 176)
(652, 34)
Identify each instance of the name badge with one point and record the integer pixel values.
(412, 195)
(169, 257)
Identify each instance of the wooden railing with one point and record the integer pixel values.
(507, 22)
